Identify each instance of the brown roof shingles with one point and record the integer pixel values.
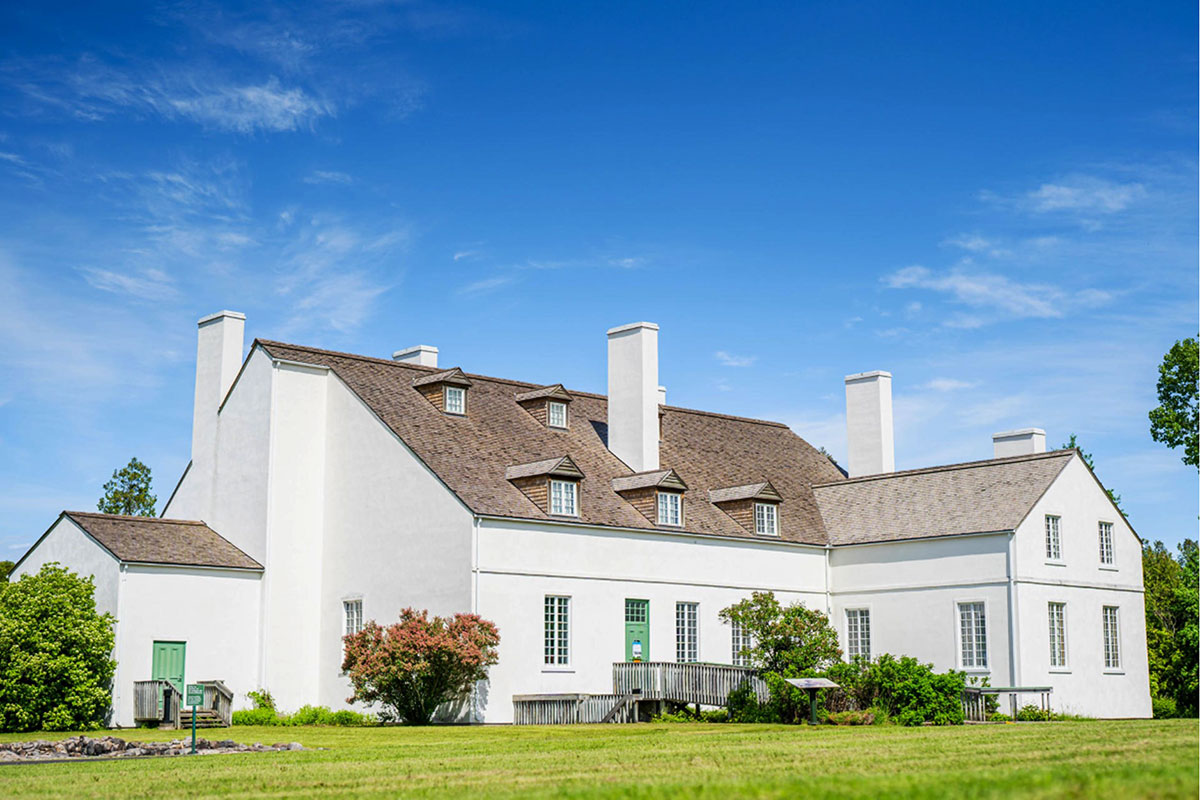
(154, 540)
(471, 454)
(975, 497)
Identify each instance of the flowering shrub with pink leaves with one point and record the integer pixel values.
(413, 666)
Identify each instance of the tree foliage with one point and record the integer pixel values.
(418, 663)
(1176, 420)
(128, 492)
(5, 568)
(56, 668)
(1171, 622)
(1072, 443)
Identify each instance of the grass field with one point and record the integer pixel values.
(1061, 759)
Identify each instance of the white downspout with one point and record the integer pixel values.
(1014, 654)
(476, 711)
(828, 588)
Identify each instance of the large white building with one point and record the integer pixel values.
(326, 488)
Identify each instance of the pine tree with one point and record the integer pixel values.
(129, 491)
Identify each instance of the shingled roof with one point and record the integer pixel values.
(975, 497)
(154, 540)
(471, 454)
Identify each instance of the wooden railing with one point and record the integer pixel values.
(571, 709)
(706, 684)
(218, 698)
(156, 701)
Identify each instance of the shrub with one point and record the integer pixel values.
(907, 690)
(56, 668)
(792, 641)
(1164, 707)
(255, 716)
(1032, 713)
(261, 699)
(305, 715)
(850, 718)
(417, 664)
(683, 715)
(998, 716)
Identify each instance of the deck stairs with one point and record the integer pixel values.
(205, 718)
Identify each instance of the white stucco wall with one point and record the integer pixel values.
(214, 611)
(913, 589)
(1085, 585)
(66, 543)
(394, 536)
(521, 563)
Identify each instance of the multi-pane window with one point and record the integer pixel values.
(973, 635)
(1112, 638)
(1053, 540)
(562, 498)
(1058, 634)
(766, 519)
(1106, 547)
(352, 613)
(557, 639)
(456, 400)
(741, 643)
(556, 415)
(687, 632)
(858, 633)
(670, 508)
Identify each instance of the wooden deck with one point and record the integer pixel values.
(160, 702)
(572, 709)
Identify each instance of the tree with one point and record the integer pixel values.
(1072, 444)
(1176, 420)
(5, 568)
(128, 492)
(1171, 622)
(417, 664)
(56, 668)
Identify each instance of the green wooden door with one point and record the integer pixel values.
(637, 630)
(168, 663)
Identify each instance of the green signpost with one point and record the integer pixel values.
(195, 698)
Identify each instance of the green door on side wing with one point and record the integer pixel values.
(168, 663)
(637, 630)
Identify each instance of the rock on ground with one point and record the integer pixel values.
(114, 747)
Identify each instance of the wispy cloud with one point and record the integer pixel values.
(1085, 193)
(731, 360)
(997, 292)
(463, 255)
(328, 176)
(486, 285)
(148, 284)
(948, 384)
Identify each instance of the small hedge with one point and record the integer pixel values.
(305, 715)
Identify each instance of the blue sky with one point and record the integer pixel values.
(996, 202)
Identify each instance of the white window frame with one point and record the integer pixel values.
(1104, 531)
(768, 523)
(687, 632)
(1054, 539)
(1058, 637)
(352, 615)
(556, 632)
(974, 665)
(855, 635)
(550, 408)
(454, 391)
(1111, 638)
(739, 640)
(570, 492)
(663, 503)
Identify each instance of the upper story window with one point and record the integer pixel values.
(456, 400)
(556, 414)
(766, 519)
(1058, 634)
(670, 508)
(1106, 543)
(858, 633)
(972, 627)
(563, 498)
(1112, 638)
(1053, 538)
(352, 613)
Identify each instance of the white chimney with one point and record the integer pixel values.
(423, 355)
(1019, 443)
(869, 423)
(662, 395)
(218, 359)
(633, 395)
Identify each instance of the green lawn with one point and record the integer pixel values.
(1060, 759)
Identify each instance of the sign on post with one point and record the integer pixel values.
(194, 698)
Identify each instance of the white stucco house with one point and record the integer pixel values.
(327, 488)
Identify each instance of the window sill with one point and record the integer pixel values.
(558, 669)
(977, 670)
(1114, 672)
(1059, 671)
(1052, 563)
(1109, 568)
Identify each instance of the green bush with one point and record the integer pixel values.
(261, 699)
(255, 716)
(850, 718)
(1164, 707)
(56, 669)
(998, 716)
(1032, 713)
(305, 715)
(910, 692)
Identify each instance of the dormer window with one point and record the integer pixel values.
(562, 498)
(766, 519)
(548, 405)
(455, 399)
(447, 391)
(670, 509)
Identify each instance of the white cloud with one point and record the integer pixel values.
(969, 241)
(463, 255)
(486, 285)
(148, 284)
(948, 384)
(996, 292)
(328, 176)
(1085, 193)
(731, 360)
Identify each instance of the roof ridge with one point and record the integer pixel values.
(134, 518)
(987, 462)
(511, 381)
